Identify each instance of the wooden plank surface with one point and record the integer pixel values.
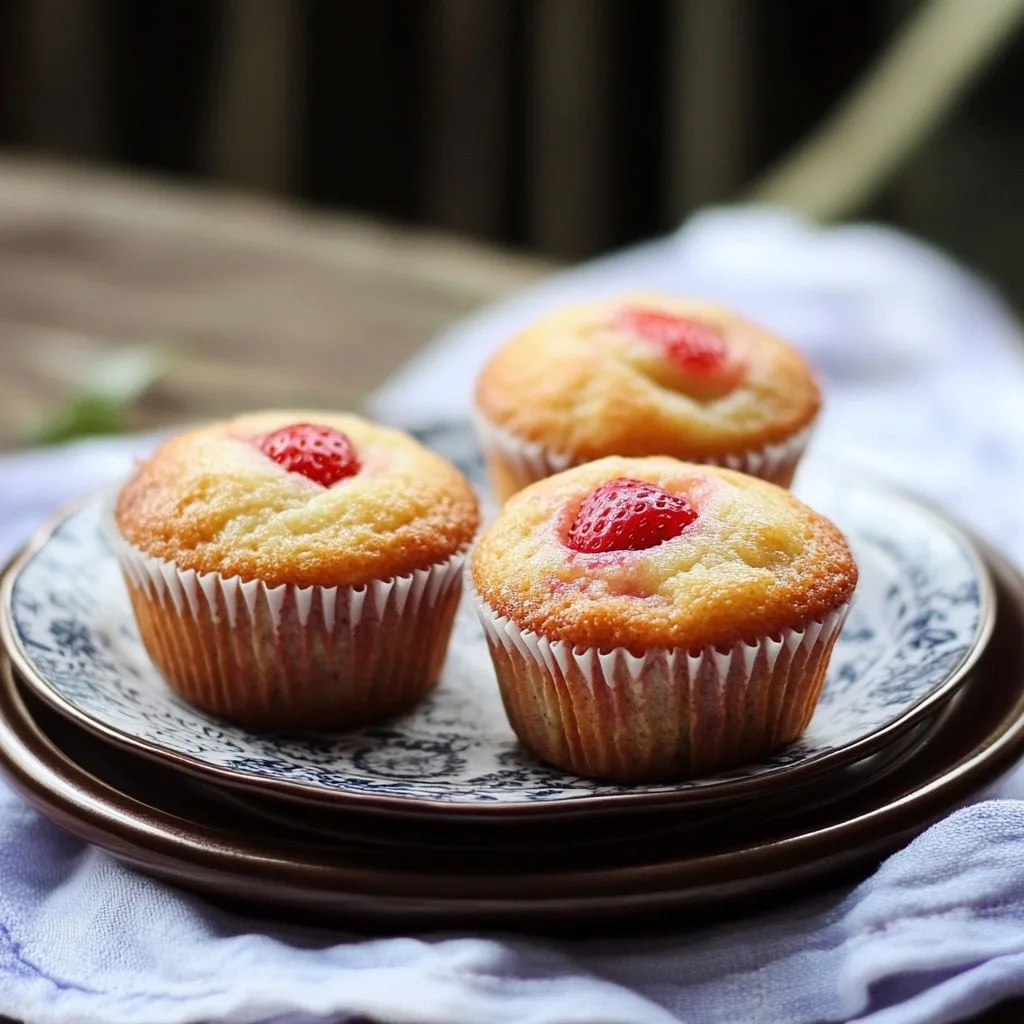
(262, 304)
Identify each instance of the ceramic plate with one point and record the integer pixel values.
(439, 843)
(923, 608)
(982, 737)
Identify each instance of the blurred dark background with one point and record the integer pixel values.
(565, 127)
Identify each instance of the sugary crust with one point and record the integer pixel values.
(755, 562)
(577, 386)
(209, 500)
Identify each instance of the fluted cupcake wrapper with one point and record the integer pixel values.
(665, 714)
(293, 657)
(515, 463)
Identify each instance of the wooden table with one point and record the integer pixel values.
(262, 304)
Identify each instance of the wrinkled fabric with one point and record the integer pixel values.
(924, 376)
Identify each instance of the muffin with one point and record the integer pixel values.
(295, 569)
(644, 375)
(651, 619)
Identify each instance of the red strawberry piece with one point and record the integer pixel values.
(628, 515)
(693, 346)
(322, 454)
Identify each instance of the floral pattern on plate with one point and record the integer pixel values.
(920, 615)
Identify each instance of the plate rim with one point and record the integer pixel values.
(582, 806)
(787, 857)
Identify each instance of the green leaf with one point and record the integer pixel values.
(112, 387)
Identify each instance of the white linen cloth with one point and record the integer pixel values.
(924, 372)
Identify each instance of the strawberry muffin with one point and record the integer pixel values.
(644, 375)
(295, 569)
(651, 619)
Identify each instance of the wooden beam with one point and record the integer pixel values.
(569, 185)
(64, 79)
(255, 107)
(467, 174)
(886, 116)
(709, 102)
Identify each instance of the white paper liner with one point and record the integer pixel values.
(516, 463)
(669, 713)
(288, 656)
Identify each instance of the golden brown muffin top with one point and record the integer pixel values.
(613, 378)
(753, 562)
(211, 500)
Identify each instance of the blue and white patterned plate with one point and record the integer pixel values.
(921, 615)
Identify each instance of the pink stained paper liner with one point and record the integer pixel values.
(666, 714)
(293, 657)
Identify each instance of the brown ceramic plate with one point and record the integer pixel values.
(508, 843)
(703, 868)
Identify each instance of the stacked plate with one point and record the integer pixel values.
(439, 818)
